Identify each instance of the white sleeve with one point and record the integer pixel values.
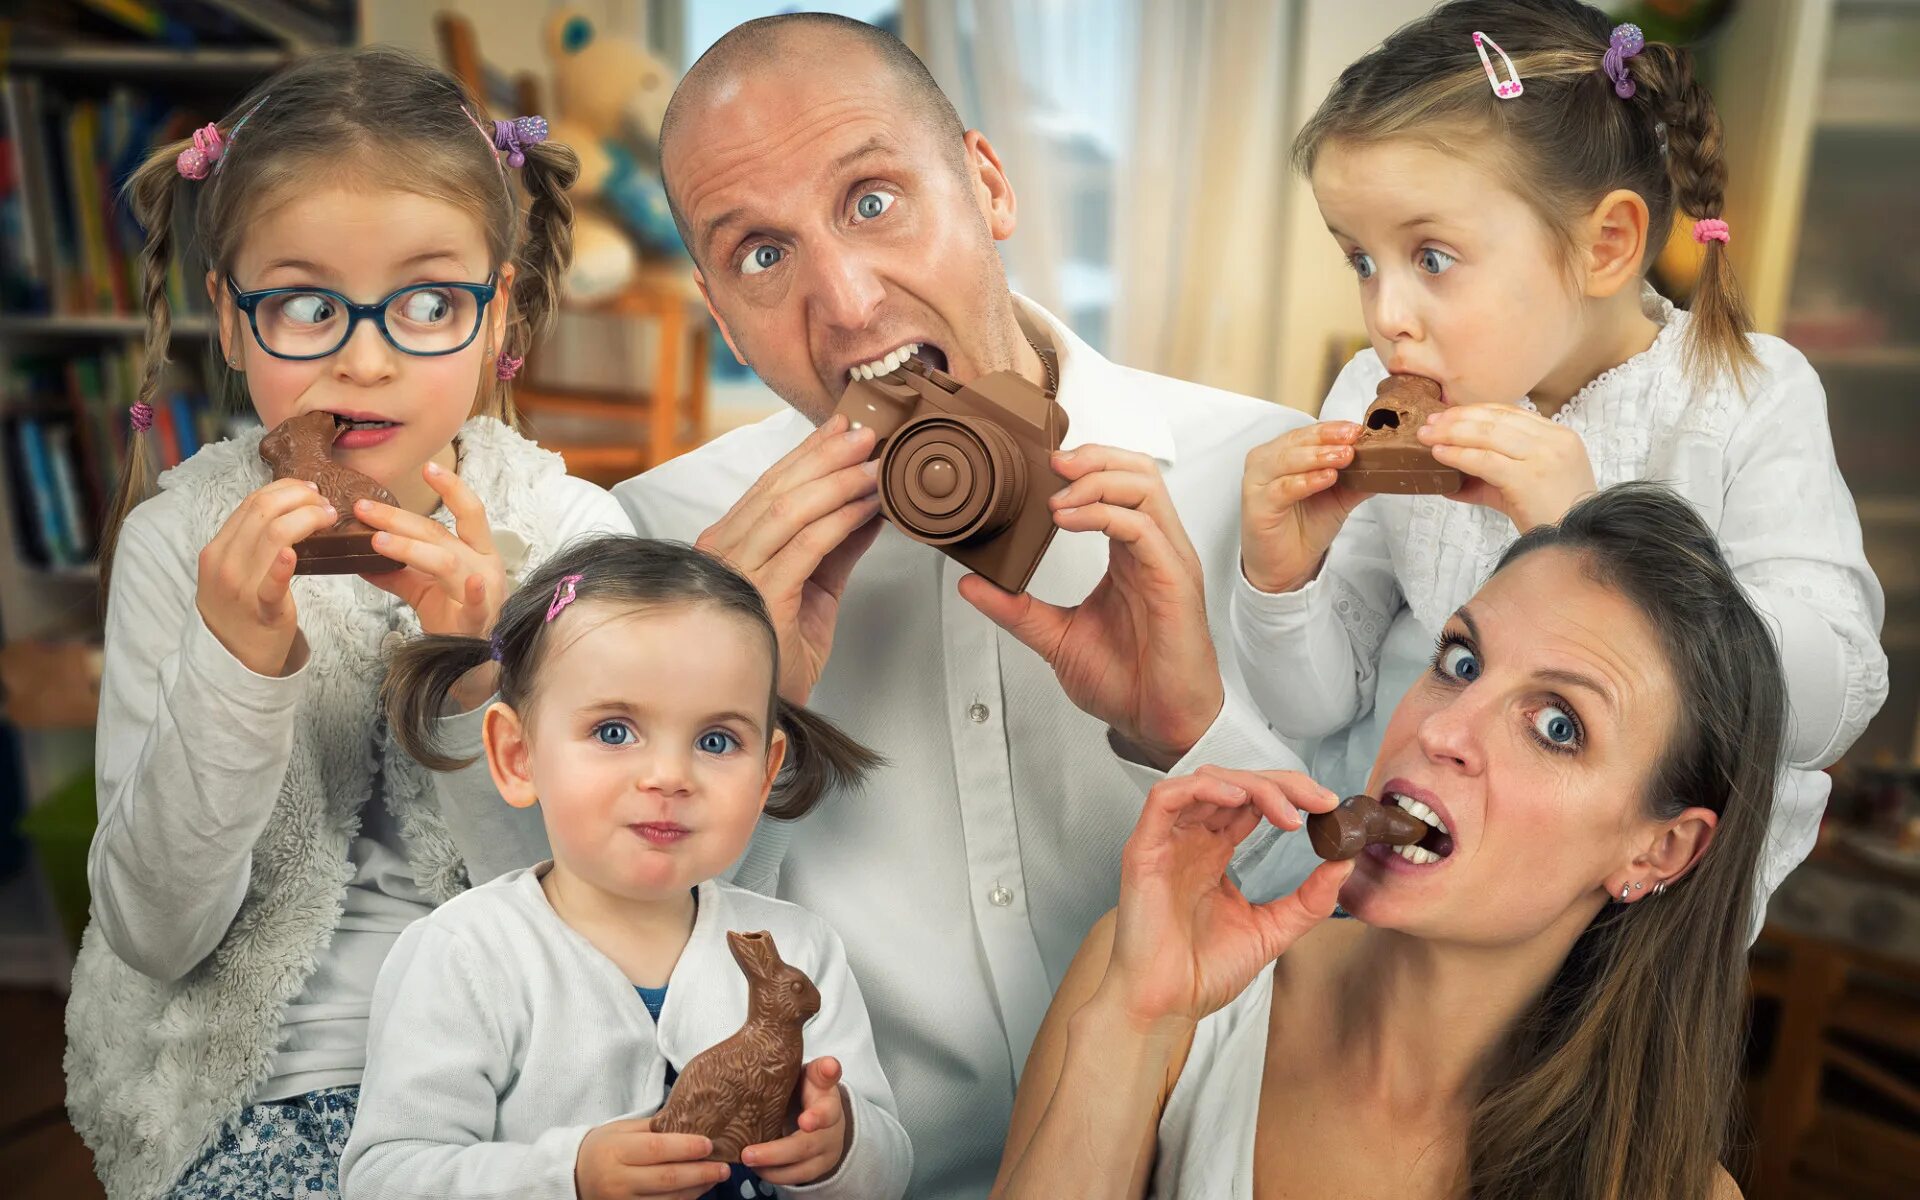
(879, 1157)
(578, 508)
(1311, 657)
(191, 750)
(439, 1055)
(1792, 536)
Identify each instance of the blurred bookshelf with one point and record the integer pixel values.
(87, 88)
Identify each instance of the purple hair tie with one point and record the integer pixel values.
(1627, 41)
(493, 645)
(141, 416)
(512, 138)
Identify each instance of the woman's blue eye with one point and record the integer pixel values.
(1457, 660)
(1434, 262)
(760, 258)
(1557, 727)
(612, 733)
(1361, 263)
(717, 741)
(872, 204)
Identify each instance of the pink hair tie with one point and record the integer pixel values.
(1711, 230)
(507, 366)
(141, 416)
(197, 161)
(563, 595)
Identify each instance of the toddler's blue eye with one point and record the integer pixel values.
(1458, 661)
(717, 741)
(873, 204)
(760, 258)
(1434, 262)
(1361, 263)
(1557, 726)
(612, 733)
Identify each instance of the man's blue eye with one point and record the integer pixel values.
(761, 258)
(1434, 262)
(1457, 661)
(716, 741)
(872, 204)
(1361, 263)
(612, 733)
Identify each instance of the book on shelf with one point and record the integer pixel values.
(65, 434)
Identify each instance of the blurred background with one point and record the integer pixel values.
(1147, 140)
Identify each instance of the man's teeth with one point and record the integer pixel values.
(1416, 855)
(1422, 811)
(884, 366)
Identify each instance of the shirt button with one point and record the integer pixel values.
(999, 897)
(977, 713)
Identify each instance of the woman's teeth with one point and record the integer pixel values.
(1419, 810)
(884, 366)
(1416, 854)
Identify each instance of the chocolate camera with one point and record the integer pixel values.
(1388, 457)
(965, 468)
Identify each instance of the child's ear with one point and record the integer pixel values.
(1616, 243)
(776, 756)
(502, 310)
(225, 318)
(509, 755)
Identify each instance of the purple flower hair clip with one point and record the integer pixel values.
(512, 138)
(563, 595)
(1627, 41)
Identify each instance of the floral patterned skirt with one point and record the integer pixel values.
(276, 1151)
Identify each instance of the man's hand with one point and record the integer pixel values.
(796, 534)
(1136, 653)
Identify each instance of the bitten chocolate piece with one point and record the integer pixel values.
(738, 1093)
(1388, 457)
(301, 448)
(1359, 822)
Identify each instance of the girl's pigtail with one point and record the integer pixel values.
(150, 192)
(547, 175)
(420, 673)
(1721, 321)
(819, 758)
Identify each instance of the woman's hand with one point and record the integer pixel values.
(626, 1160)
(815, 1149)
(245, 574)
(1517, 461)
(1291, 504)
(453, 579)
(1186, 941)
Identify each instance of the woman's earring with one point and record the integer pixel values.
(1624, 889)
(1660, 889)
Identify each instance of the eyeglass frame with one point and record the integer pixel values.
(249, 303)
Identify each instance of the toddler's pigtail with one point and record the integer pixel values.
(819, 758)
(420, 673)
(549, 171)
(150, 192)
(1721, 321)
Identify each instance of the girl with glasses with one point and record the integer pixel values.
(263, 840)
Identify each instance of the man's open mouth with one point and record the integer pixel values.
(1438, 843)
(928, 353)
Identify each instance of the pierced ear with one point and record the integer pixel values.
(726, 335)
(992, 190)
(1675, 851)
(509, 756)
(1617, 243)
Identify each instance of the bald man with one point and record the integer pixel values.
(839, 216)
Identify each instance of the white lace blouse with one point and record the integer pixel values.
(1327, 664)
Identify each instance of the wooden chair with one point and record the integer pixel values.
(607, 436)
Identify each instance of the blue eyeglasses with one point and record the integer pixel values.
(423, 319)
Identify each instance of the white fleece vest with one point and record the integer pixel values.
(155, 1070)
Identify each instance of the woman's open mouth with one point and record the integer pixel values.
(1438, 843)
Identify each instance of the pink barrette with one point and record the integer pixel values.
(1506, 89)
(197, 161)
(563, 595)
(507, 366)
(141, 416)
(1711, 230)
(1625, 42)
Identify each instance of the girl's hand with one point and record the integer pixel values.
(815, 1151)
(1518, 462)
(626, 1160)
(454, 580)
(245, 574)
(1291, 504)
(1186, 941)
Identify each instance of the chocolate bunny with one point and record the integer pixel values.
(739, 1092)
(299, 448)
